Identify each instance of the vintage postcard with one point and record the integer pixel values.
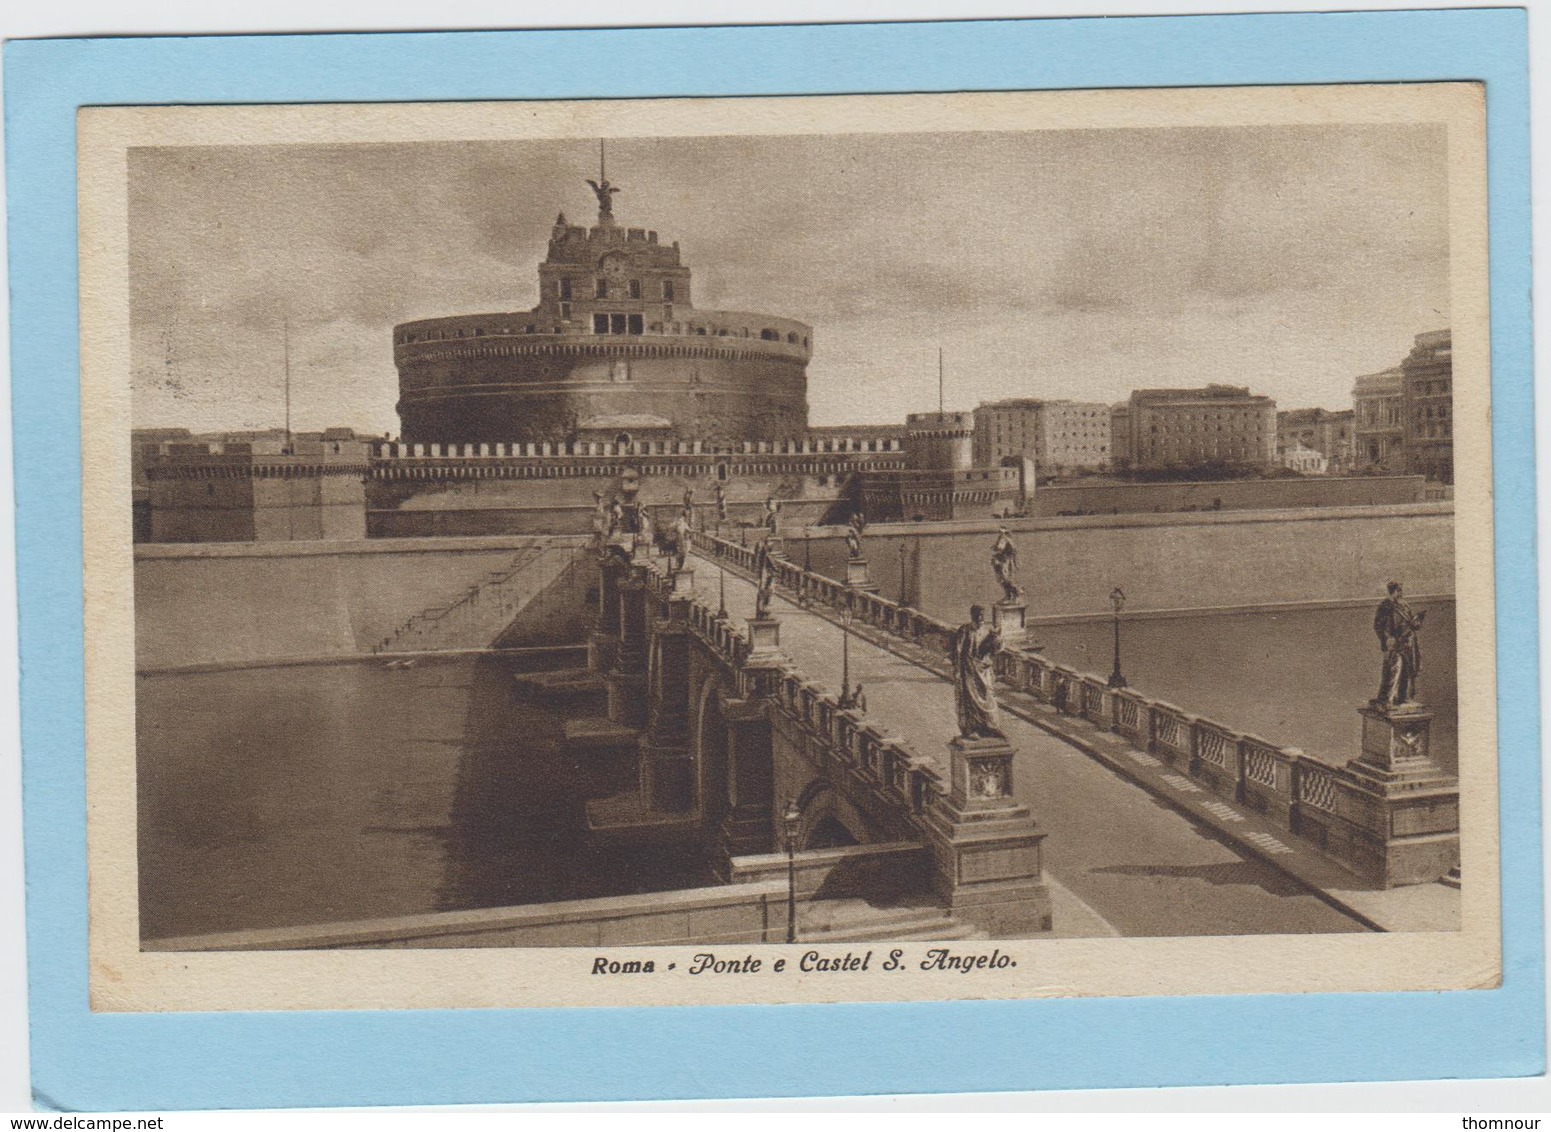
(815, 549)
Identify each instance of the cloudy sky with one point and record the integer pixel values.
(1081, 263)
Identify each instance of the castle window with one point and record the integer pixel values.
(699, 330)
(565, 290)
(479, 332)
(528, 329)
(667, 312)
(770, 335)
(600, 324)
(667, 290)
(635, 324)
(792, 338)
(617, 324)
(601, 288)
(565, 310)
(635, 288)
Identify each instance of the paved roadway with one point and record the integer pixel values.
(1142, 866)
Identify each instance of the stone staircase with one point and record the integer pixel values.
(856, 921)
(476, 617)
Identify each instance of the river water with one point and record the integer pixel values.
(292, 795)
(280, 796)
(1296, 678)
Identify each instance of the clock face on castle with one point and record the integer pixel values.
(614, 267)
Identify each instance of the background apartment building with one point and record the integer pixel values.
(1060, 436)
(1325, 431)
(1427, 391)
(1216, 424)
(1378, 431)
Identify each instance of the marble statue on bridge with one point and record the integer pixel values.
(972, 654)
(1004, 562)
(854, 535)
(1397, 626)
(764, 570)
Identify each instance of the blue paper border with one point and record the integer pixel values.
(98, 1062)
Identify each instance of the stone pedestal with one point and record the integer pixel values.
(1396, 740)
(986, 846)
(1399, 810)
(857, 577)
(764, 634)
(775, 546)
(1010, 620)
(684, 581)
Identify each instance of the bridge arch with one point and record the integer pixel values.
(712, 747)
(825, 818)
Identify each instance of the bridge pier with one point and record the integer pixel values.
(627, 679)
(748, 826)
(603, 641)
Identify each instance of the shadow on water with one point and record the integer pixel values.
(517, 832)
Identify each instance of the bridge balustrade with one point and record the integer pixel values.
(1330, 805)
(1172, 734)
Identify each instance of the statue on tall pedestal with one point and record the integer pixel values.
(772, 514)
(972, 654)
(721, 503)
(1397, 626)
(1004, 562)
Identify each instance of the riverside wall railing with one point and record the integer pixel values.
(1328, 805)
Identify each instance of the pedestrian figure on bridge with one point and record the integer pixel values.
(1004, 563)
(772, 513)
(855, 700)
(972, 653)
(764, 571)
(1397, 626)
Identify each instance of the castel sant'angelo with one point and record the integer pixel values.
(615, 349)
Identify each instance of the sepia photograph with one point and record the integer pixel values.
(815, 549)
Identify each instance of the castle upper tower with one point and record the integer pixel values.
(614, 337)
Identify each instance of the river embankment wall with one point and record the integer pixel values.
(1172, 562)
(261, 603)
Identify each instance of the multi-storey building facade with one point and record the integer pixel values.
(1213, 425)
(1059, 436)
(1427, 392)
(1327, 432)
(1378, 432)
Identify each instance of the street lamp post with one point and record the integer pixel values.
(1117, 598)
(902, 600)
(845, 654)
(790, 821)
(721, 585)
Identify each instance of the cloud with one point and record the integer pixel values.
(1067, 263)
